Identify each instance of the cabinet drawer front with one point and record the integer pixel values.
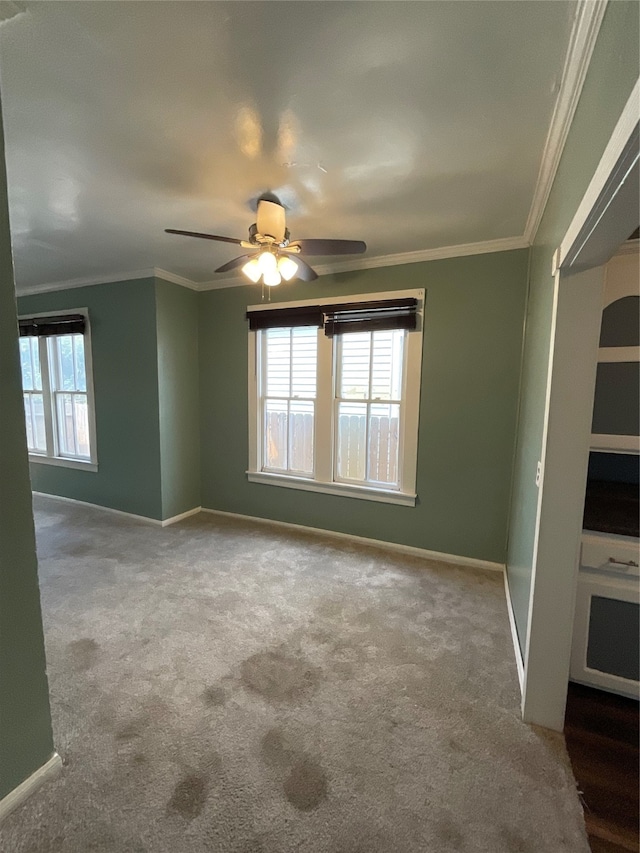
(618, 554)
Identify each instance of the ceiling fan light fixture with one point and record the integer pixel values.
(267, 262)
(275, 259)
(252, 270)
(287, 267)
(272, 278)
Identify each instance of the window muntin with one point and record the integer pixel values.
(57, 399)
(368, 407)
(289, 370)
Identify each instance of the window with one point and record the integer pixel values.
(334, 392)
(288, 404)
(55, 360)
(368, 402)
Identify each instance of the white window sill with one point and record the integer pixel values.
(61, 462)
(345, 490)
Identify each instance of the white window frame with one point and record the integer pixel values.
(324, 446)
(53, 456)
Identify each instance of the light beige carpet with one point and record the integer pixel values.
(224, 686)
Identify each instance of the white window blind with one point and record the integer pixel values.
(288, 402)
(368, 407)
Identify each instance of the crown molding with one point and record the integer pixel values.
(132, 275)
(584, 33)
(70, 283)
(503, 244)
(174, 278)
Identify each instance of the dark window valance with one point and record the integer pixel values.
(278, 318)
(370, 316)
(60, 324)
(340, 318)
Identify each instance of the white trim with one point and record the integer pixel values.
(610, 355)
(629, 247)
(514, 633)
(146, 518)
(174, 518)
(165, 275)
(503, 244)
(71, 283)
(616, 146)
(417, 293)
(63, 462)
(584, 33)
(567, 421)
(411, 550)
(565, 452)
(541, 463)
(91, 281)
(615, 443)
(613, 587)
(30, 785)
(323, 479)
(345, 490)
(158, 522)
(51, 417)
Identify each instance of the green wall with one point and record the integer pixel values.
(612, 74)
(26, 741)
(178, 390)
(472, 349)
(125, 372)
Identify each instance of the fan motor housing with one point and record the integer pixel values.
(271, 221)
(258, 238)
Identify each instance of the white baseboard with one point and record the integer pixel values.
(423, 553)
(146, 518)
(24, 790)
(165, 523)
(514, 632)
(411, 550)
(174, 518)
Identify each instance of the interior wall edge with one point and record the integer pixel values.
(514, 632)
(31, 784)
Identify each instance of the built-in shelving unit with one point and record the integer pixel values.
(616, 404)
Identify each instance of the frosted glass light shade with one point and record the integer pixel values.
(287, 267)
(267, 262)
(271, 279)
(252, 270)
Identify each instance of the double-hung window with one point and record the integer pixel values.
(55, 360)
(334, 390)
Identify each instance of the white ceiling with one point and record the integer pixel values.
(408, 125)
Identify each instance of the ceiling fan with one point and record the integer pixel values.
(273, 257)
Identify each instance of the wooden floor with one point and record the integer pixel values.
(601, 731)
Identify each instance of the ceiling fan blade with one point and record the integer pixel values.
(206, 236)
(234, 264)
(305, 272)
(330, 247)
